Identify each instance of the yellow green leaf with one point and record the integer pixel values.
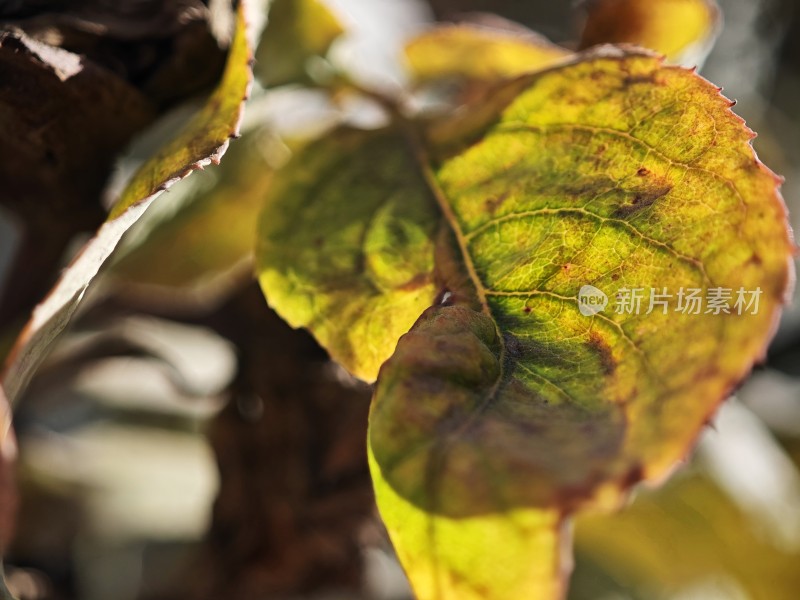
(471, 557)
(203, 141)
(479, 53)
(297, 31)
(614, 172)
(346, 242)
(683, 30)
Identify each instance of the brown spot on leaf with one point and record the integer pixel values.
(755, 259)
(643, 171)
(599, 346)
(642, 199)
(648, 78)
(492, 204)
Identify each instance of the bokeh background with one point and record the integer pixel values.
(182, 442)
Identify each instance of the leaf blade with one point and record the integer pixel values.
(361, 266)
(470, 576)
(642, 177)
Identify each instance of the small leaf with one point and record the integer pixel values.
(683, 30)
(479, 53)
(614, 172)
(346, 243)
(297, 31)
(203, 141)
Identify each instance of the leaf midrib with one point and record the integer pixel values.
(420, 154)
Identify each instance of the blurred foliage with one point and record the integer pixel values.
(653, 25)
(478, 52)
(297, 32)
(214, 233)
(688, 533)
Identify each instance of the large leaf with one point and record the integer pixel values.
(683, 30)
(614, 172)
(203, 141)
(346, 245)
(478, 52)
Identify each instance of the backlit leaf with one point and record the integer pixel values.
(346, 242)
(481, 53)
(202, 142)
(683, 30)
(614, 172)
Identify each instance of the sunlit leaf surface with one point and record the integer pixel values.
(617, 173)
(346, 245)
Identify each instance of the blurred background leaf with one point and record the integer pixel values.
(297, 32)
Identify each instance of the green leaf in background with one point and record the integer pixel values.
(479, 53)
(346, 245)
(652, 24)
(197, 248)
(203, 141)
(613, 172)
(688, 534)
(297, 31)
